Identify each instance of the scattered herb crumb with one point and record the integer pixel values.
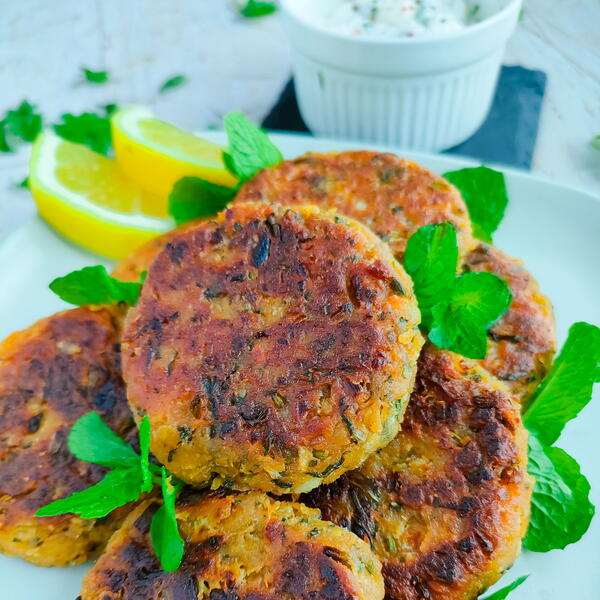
(95, 76)
(255, 8)
(172, 83)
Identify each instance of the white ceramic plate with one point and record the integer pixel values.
(554, 229)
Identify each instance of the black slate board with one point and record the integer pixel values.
(508, 135)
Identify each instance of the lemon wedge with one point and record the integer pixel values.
(155, 155)
(86, 198)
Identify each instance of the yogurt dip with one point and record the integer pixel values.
(393, 18)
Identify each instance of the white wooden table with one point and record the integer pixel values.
(233, 63)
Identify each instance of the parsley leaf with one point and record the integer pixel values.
(93, 285)
(192, 198)
(561, 511)
(90, 129)
(256, 8)
(568, 387)
(23, 122)
(484, 192)
(250, 149)
(144, 434)
(95, 76)
(92, 440)
(460, 323)
(172, 82)
(24, 183)
(164, 530)
(505, 591)
(119, 487)
(430, 259)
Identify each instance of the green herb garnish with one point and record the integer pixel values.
(505, 591)
(484, 192)
(457, 311)
(250, 151)
(93, 285)
(567, 389)
(95, 76)
(164, 530)
(171, 83)
(90, 129)
(91, 440)
(255, 8)
(24, 183)
(596, 142)
(22, 123)
(561, 511)
(192, 198)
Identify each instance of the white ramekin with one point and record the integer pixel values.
(423, 93)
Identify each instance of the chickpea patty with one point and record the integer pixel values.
(239, 547)
(391, 195)
(522, 343)
(51, 374)
(272, 349)
(446, 503)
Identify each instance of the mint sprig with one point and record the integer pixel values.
(89, 128)
(250, 150)
(457, 311)
(484, 193)
(19, 124)
(132, 474)
(503, 593)
(164, 530)
(561, 511)
(93, 285)
(568, 387)
(192, 198)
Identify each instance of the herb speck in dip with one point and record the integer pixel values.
(394, 18)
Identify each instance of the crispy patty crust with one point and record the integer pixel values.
(238, 547)
(391, 195)
(446, 503)
(272, 349)
(51, 374)
(522, 343)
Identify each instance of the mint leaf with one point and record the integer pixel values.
(596, 143)
(561, 511)
(4, 145)
(95, 76)
(255, 8)
(93, 285)
(250, 149)
(430, 259)
(119, 487)
(460, 322)
(484, 192)
(171, 83)
(23, 122)
(568, 387)
(90, 129)
(144, 433)
(505, 591)
(164, 530)
(192, 198)
(92, 440)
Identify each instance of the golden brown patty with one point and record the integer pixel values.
(51, 374)
(239, 547)
(446, 503)
(392, 195)
(522, 343)
(272, 349)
